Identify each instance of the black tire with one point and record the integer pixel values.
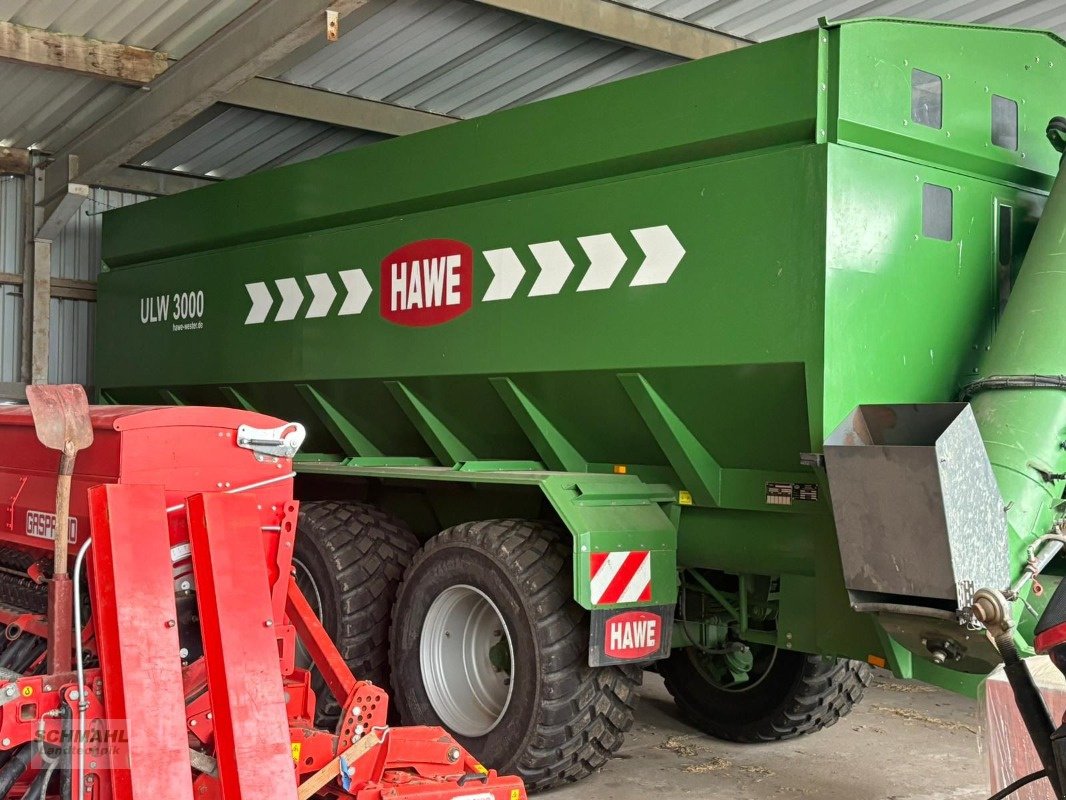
(797, 695)
(564, 719)
(354, 556)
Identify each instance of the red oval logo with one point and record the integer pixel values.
(632, 634)
(427, 282)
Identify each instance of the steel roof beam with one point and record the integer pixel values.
(623, 23)
(147, 181)
(247, 46)
(61, 51)
(51, 223)
(279, 97)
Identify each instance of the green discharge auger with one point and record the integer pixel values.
(1019, 399)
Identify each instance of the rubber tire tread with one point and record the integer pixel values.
(811, 693)
(581, 714)
(362, 553)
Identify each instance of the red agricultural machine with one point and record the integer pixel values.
(174, 661)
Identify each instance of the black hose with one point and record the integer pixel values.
(14, 768)
(1031, 706)
(36, 650)
(14, 652)
(33, 650)
(39, 788)
(66, 770)
(1007, 791)
(1012, 382)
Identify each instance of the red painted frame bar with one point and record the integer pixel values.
(252, 742)
(136, 630)
(324, 654)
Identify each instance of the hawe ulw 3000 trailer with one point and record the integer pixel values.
(732, 369)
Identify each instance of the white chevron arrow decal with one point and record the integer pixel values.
(261, 302)
(359, 291)
(662, 253)
(324, 295)
(291, 299)
(606, 260)
(507, 273)
(555, 268)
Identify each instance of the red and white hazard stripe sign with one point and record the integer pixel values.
(623, 576)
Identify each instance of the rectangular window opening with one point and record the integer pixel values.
(936, 212)
(1004, 122)
(927, 99)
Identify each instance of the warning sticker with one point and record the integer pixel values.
(784, 494)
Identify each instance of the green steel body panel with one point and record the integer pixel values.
(791, 173)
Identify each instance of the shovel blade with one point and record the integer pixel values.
(61, 416)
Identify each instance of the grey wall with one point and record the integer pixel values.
(75, 257)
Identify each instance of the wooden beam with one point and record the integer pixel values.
(27, 222)
(279, 97)
(15, 161)
(626, 24)
(61, 51)
(250, 44)
(70, 289)
(40, 301)
(67, 288)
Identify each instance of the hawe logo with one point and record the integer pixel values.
(427, 282)
(633, 634)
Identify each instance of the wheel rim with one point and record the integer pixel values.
(714, 669)
(467, 659)
(313, 595)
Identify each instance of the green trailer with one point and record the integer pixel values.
(711, 371)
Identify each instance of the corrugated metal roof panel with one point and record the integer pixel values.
(464, 59)
(768, 19)
(47, 109)
(239, 141)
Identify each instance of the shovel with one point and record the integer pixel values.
(61, 417)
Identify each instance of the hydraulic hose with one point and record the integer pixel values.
(15, 652)
(39, 788)
(1012, 382)
(1021, 783)
(1031, 706)
(66, 773)
(14, 769)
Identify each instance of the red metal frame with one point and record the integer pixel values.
(137, 634)
(252, 744)
(246, 702)
(334, 669)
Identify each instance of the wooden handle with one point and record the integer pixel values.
(329, 772)
(62, 524)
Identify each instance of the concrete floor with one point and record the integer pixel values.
(903, 742)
